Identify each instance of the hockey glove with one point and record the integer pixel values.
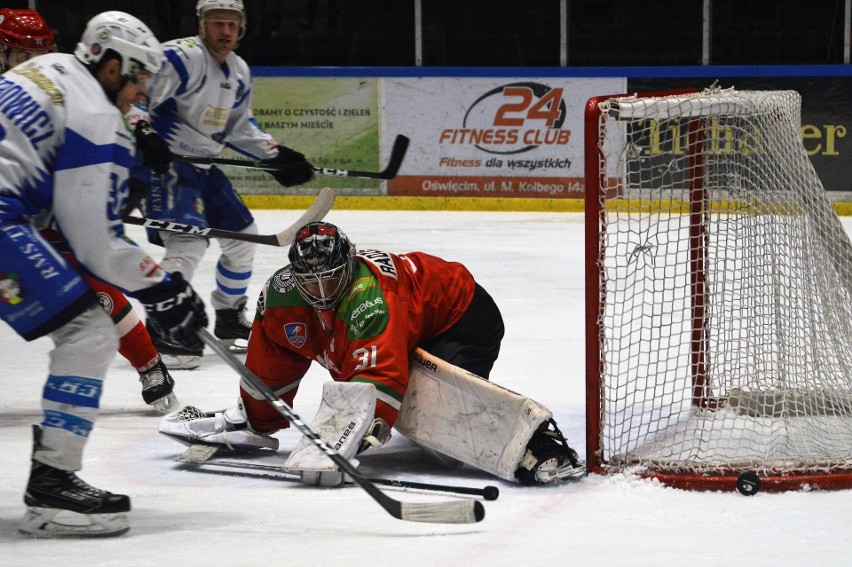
(175, 312)
(153, 149)
(291, 167)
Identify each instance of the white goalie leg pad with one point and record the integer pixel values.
(344, 416)
(228, 427)
(458, 414)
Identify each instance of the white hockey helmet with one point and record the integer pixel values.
(204, 6)
(126, 35)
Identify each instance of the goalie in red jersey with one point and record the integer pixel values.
(363, 315)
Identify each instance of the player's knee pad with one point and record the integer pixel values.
(85, 346)
(238, 255)
(183, 253)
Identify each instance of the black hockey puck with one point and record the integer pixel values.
(748, 484)
(490, 492)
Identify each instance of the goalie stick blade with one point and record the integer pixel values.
(316, 212)
(197, 453)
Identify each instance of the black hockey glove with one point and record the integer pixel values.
(153, 149)
(291, 167)
(175, 312)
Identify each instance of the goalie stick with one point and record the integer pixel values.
(454, 512)
(400, 146)
(202, 455)
(318, 209)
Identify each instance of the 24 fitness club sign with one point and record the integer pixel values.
(513, 119)
(477, 136)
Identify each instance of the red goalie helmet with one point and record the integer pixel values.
(25, 29)
(321, 260)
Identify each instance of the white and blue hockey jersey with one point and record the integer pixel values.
(65, 150)
(201, 106)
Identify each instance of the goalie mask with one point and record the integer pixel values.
(322, 260)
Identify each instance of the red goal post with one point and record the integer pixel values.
(718, 295)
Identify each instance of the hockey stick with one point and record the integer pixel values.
(398, 150)
(318, 209)
(489, 492)
(455, 512)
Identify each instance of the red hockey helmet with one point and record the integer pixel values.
(25, 29)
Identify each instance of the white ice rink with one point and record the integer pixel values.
(532, 264)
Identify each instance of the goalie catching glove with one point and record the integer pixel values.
(290, 168)
(228, 427)
(175, 312)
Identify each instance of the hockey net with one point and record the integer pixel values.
(718, 295)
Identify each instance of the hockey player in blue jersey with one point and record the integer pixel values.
(200, 102)
(66, 147)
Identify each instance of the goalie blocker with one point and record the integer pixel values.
(445, 409)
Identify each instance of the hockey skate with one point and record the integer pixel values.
(174, 356)
(548, 458)
(228, 428)
(232, 328)
(158, 388)
(60, 504)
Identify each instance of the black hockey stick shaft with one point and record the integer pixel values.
(455, 512)
(318, 209)
(400, 146)
(488, 492)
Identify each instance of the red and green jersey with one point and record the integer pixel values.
(395, 303)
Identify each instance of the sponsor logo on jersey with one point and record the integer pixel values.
(33, 73)
(381, 260)
(106, 302)
(296, 334)
(10, 288)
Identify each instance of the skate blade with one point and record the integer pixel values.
(550, 474)
(54, 523)
(181, 361)
(165, 404)
(236, 346)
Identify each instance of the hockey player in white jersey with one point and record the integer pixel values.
(66, 148)
(24, 34)
(200, 102)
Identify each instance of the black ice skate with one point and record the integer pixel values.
(549, 459)
(232, 328)
(175, 356)
(158, 388)
(60, 504)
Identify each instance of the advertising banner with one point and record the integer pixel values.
(490, 137)
(333, 121)
(826, 116)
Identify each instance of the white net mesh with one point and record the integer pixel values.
(726, 291)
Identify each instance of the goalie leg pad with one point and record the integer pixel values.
(344, 417)
(460, 415)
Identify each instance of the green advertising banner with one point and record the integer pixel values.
(333, 121)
